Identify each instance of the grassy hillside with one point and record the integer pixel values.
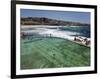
(53, 53)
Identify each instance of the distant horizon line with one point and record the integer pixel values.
(53, 19)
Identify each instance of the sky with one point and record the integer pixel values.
(83, 17)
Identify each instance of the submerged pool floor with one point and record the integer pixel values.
(53, 53)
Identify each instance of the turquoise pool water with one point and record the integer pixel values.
(53, 53)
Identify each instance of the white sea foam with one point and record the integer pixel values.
(43, 30)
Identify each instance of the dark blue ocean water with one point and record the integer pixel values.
(82, 30)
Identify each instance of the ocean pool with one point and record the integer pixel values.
(52, 53)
